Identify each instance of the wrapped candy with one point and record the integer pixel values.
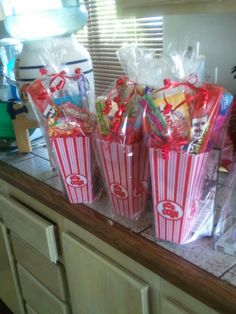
(63, 106)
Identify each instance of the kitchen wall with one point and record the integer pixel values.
(217, 36)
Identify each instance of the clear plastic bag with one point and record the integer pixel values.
(63, 106)
(183, 191)
(181, 122)
(126, 173)
(122, 155)
(226, 139)
(225, 224)
(187, 60)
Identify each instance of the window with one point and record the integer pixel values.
(105, 33)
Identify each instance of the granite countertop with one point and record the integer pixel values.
(214, 265)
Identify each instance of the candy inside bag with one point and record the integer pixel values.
(67, 88)
(168, 115)
(63, 102)
(204, 116)
(182, 116)
(119, 114)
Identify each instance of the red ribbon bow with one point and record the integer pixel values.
(190, 83)
(121, 84)
(58, 80)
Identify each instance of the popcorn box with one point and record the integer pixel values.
(126, 173)
(177, 186)
(75, 161)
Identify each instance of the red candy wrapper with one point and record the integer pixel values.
(177, 186)
(126, 173)
(204, 118)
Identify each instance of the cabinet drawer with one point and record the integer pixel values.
(38, 296)
(50, 274)
(29, 226)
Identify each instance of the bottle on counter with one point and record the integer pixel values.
(44, 18)
(40, 23)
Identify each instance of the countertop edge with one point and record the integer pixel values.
(200, 284)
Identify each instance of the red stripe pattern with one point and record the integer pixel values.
(73, 155)
(177, 185)
(126, 173)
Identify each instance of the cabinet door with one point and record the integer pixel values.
(176, 301)
(29, 226)
(9, 287)
(98, 285)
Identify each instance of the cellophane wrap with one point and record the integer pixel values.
(226, 140)
(182, 118)
(225, 221)
(122, 155)
(62, 102)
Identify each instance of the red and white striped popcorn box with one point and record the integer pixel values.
(177, 185)
(74, 157)
(126, 172)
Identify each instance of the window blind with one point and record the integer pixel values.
(105, 33)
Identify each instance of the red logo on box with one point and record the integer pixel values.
(119, 191)
(76, 180)
(170, 210)
(140, 189)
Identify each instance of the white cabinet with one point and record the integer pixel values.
(9, 286)
(49, 274)
(101, 279)
(35, 266)
(99, 285)
(176, 301)
(38, 296)
(171, 307)
(35, 230)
